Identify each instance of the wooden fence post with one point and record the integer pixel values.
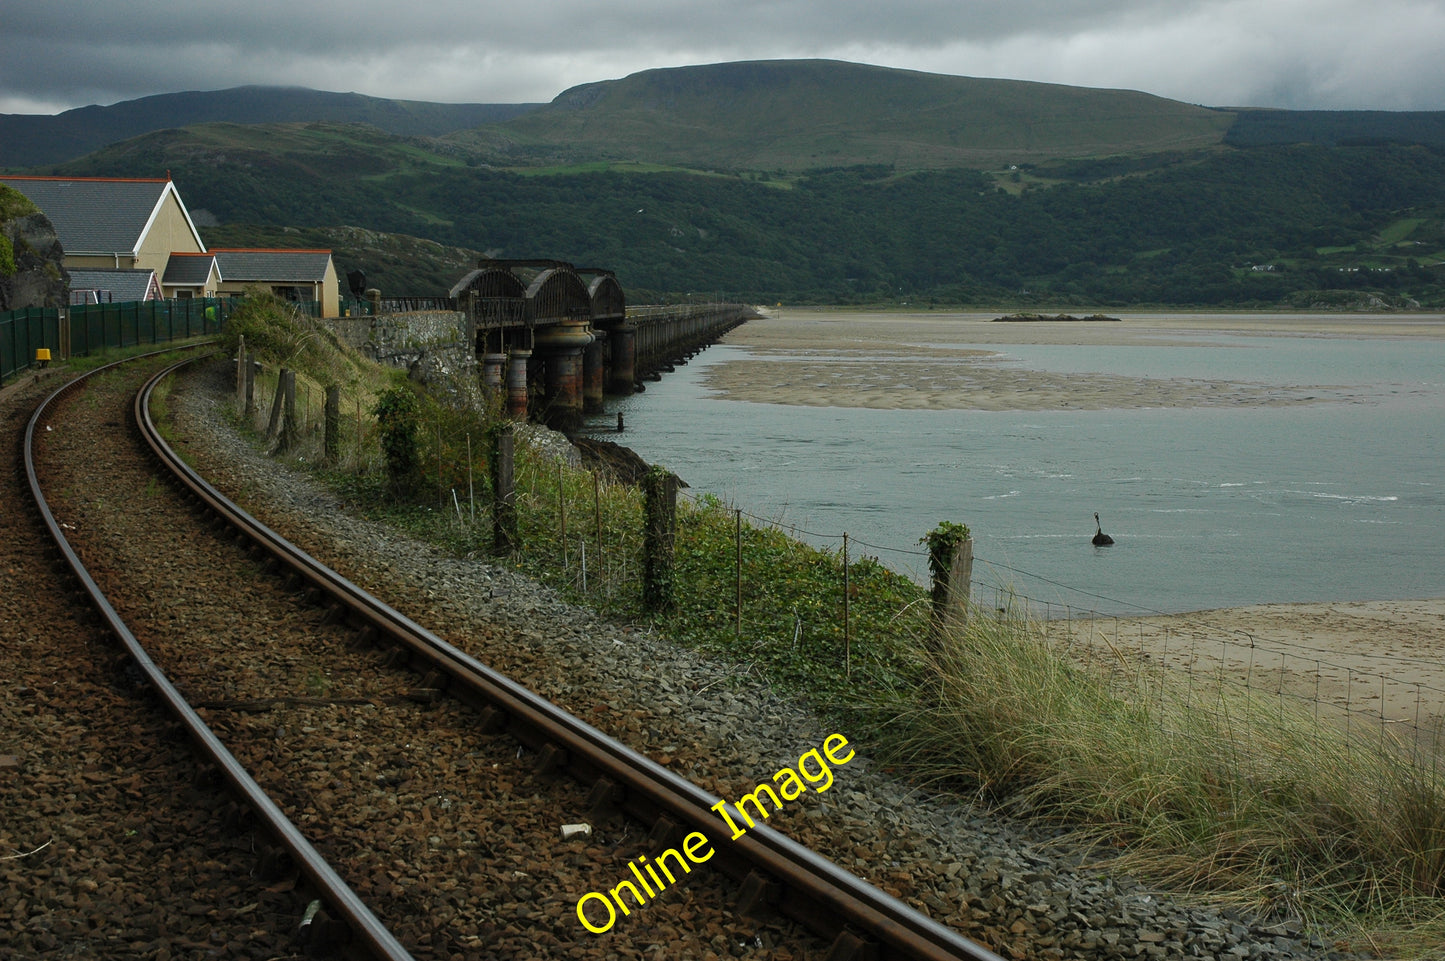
(950, 560)
(847, 614)
(737, 573)
(240, 368)
(274, 422)
(660, 495)
(504, 494)
(289, 430)
(332, 444)
(250, 386)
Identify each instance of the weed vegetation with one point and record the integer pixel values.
(1208, 788)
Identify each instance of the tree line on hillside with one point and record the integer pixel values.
(1230, 228)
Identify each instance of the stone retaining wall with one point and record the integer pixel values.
(434, 347)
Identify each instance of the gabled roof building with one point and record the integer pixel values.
(113, 286)
(109, 223)
(136, 224)
(192, 275)
(299, 275)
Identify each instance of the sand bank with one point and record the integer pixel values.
(954, 361)
(1383, 661)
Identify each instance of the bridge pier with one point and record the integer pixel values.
(624, 358)
(562, 346)
(492, 365)
(517, 384)
(594, 369)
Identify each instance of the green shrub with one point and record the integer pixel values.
(397, 416)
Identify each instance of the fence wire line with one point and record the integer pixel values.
(1241, 646)
(1162, 654)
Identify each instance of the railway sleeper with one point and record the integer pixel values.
(276, 862)
(605, 799)
(758, 894)
(492, 720)
(848, 946)
(320, 933)
(551, 760)
(665, 833)
(365, 637)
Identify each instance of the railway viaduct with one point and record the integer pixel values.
(558, 337)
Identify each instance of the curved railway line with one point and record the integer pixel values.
(390, 774)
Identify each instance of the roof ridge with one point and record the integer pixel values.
(113, 180)
(270, 250)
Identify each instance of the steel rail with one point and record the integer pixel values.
(864, 921)
(363, 925)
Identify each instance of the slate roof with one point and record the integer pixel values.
(188, 270)
(97, 215)
(272, 266)
(124, 285)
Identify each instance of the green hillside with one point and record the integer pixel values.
(800, 115)
(1102, 215)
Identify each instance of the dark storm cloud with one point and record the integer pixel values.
(1290, 53)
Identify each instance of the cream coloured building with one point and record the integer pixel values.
(141, 226)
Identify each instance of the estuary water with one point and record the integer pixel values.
(1288, 467)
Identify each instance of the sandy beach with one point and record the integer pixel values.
(1376, 659)
(1380, 662)
(954, 360)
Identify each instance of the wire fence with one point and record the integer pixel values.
(586, 529)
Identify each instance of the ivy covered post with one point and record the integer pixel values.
(950, 561)
(398, 414)
(660, 496)
(504, 494)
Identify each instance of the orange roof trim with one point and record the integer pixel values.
(269, 250)
(98, 180)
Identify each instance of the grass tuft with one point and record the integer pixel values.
(1223, 793)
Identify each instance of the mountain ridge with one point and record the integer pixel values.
(762, 115)
(793, 115)
(34, 139)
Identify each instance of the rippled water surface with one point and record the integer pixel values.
(1209, 506)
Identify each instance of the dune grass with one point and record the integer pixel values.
(1218, 791)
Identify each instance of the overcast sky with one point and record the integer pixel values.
(1317, 54)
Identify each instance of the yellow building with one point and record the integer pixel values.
(301, 276)
(142, 226)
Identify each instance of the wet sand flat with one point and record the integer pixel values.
(953, 361)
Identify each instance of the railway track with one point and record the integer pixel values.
(327, 712)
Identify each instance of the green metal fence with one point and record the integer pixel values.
(95, 327)
(85, 329)
(22, 332)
